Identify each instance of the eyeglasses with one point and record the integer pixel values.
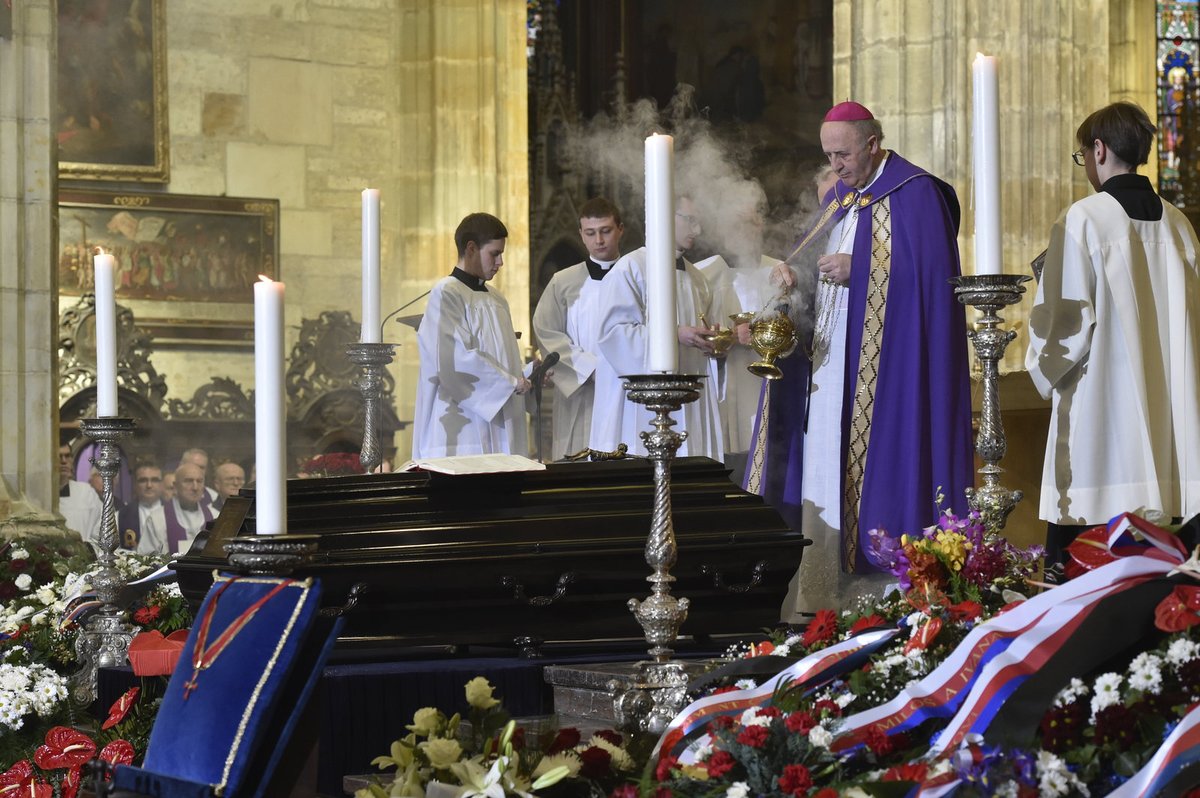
(693, 221)
(1077, 156)
(148, 480)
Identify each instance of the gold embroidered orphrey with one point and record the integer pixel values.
(868, 374)
(754, 481)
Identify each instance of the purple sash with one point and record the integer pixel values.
(176, 534)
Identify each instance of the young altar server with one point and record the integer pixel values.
(470, 395)
(567, 321)
(624, 345)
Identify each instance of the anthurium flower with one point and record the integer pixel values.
(1179, 610)
(118, 752)
(70, 783)
(924, 636)
(15, 776)
(121, 707)
(64, 748)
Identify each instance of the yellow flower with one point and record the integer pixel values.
(951, 548)
(425, 721)
(567, 759)
(695, 772)
(479, 693)
(441, 753)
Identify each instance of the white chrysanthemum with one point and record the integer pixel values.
(1006, 790)
(844, 699)
(46, 595)
(1107, 692)
(1054, 778)
(745, 684)
(739, 789)
(704, 750)
(1182, 650)
(751, 717)
(23, 582)
(820, 737)
(1071, 693)
(1145, 673)
(19, 554)
(782, 650)
(568, 759)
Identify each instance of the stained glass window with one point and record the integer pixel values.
(1178, 42)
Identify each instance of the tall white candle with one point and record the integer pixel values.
(270, 431)
(986, 161)
(660, 256)
(371, 333)
(106, 335)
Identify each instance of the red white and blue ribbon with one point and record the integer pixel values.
(813, 670)
(1180, 751)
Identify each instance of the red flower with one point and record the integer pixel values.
(754, 736)
(20, 777)
(720, 763)
(121, 707)
(1010, 605)
(71, 782)
(965, 611)
(800, 722)
(665, 765)
(729, 688)
(566, 738)
(825, 792)
(821, 628)
(64, 748)
(867, 622)
(1062, 727)
(924, 636)
(762, 649)
(829, 707)
(913, 771)
(877, 740)
(721, 722)
(1179, 610)
(796, 780)
(624, 791)
(610, 736)
(770, 712)
(19, 565)
(1116, 725)
(147, 615)
(518, 739)
(663, 792)
(596, 763)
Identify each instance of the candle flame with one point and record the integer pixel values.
(262, 278)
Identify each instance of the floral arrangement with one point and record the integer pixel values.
(332, 464)
(489, 755)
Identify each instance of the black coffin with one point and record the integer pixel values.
(554, 555)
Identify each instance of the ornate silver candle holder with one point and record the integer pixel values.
(104, 642)
(988, 293)
(372, 359)
(660, 686)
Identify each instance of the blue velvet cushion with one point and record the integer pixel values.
(216, 734)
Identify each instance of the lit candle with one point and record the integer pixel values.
(660, 256)
(986, 158)
(270, 432)
(370, 266)
(106, 335)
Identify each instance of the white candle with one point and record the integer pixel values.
(660, 255)
(371, 334)
(986, 161)
(106, 335)
(270, 431)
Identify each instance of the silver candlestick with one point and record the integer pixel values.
(372, 359)
(988, 293)
(659, 689)
(104, 642)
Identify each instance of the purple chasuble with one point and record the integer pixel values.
(176, 533)
(906, 427)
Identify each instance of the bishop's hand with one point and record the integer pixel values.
(695, 337)
(834, 268)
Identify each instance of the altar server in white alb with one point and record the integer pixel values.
(567, 321)
(470, 395)
(624, 344)
(1113, 339)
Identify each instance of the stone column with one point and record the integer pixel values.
(909, 61)
(462, 142)
(28, 293)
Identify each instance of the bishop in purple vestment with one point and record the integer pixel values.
(867, 433)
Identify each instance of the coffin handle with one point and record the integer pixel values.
(518, 590)
(757, 572)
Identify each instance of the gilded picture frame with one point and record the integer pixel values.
(111, 112)
(186, 264)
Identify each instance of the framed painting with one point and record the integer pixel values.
(111, 115)
(185, 264)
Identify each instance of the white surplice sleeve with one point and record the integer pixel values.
(623, 316)
(1064, 313)
(575, 365)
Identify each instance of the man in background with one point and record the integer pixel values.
(81, 508)
(186, 514)
(141, 525)
(229, 479)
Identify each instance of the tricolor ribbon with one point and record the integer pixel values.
(810, 672)
(1178, 753)
(996, 656)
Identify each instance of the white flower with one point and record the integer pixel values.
(751, 718)
(568, 759)
(45, 594)
(19, 554)
(1107, 692)
(745, 684)
(844, 699)
(739, 789)
(782, 650)
(1071, 693)
(820, 737)
(1182, 650)
(23, 581)
(1145, 673)
(621, 760)
(1053, 776)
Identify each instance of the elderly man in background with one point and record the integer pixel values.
(187, 513)
(229, 480)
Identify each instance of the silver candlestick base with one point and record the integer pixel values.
(660, 687)
(372, 359)
(989, 293)
(104, 642)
